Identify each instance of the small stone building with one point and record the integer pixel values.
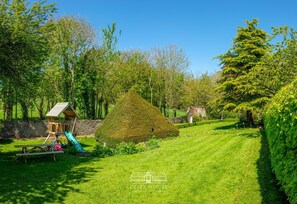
(192, 111)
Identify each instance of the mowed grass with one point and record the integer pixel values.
(211, 163)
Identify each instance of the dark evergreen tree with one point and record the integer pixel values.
(249, 46)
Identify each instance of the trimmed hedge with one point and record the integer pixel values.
(280, 122)
(134, 120)
(185, 125)
(203, 122)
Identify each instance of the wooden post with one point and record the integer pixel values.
(73, 125)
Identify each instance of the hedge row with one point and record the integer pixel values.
(280, 120)
(185, 125)
(203, 122)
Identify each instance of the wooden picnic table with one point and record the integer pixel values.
(37, 149)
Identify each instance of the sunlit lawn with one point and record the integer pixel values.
(211, 163)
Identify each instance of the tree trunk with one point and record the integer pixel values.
(66, 89)
(96, 106)
(48, 106)
(86, 103)
(151, 89)
(160, 106)
(3, 111)
(16, 105)
(8, 102)
(66, 80)
(40, 108)
(25, 112)
(93, 105)
(164, 110)
(249, 118)
(72, 88)
(8, 110)
(100, 108)
(106, 104)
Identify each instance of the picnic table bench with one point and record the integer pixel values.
(37, 149)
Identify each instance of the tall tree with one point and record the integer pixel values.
(200, 91)
(110, 55)
(277, 68)
(205, 89)
(87, 77)
(23, 48)
(133, 72)
(249, 46)
(72, 39)
(171, 64)
(96, 77)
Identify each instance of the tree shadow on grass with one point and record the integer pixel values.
(236, 125)
(226, 127)
(249, 135)
(85, 145)
(42, 179)
(5, 141)
(270, 190)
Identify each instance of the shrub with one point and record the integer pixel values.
(197, 118)
(185, 125)
(242, 118)
(101, 151)
(280, 122)
(128, 148)
(152, 143)
(133, 119)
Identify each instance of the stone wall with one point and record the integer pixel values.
(38, 128)
(87, 127)
(182, 119)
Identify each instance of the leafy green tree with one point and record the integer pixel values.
(23, 49)
(96, 76)
(249, 46)
(87, 77)
(170, 66)
(201, 91)
(189, 91)
(205, 90)
(277, 68)
(72, 39)
(47, 97)
(133, 73)
(110, 54)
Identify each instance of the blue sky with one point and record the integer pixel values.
(203, 29)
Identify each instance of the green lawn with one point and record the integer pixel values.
(210, 163)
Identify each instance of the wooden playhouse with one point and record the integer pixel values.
(62, 117)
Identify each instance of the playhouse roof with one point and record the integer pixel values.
(60, 108)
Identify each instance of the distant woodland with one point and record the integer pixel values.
(45, 60)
